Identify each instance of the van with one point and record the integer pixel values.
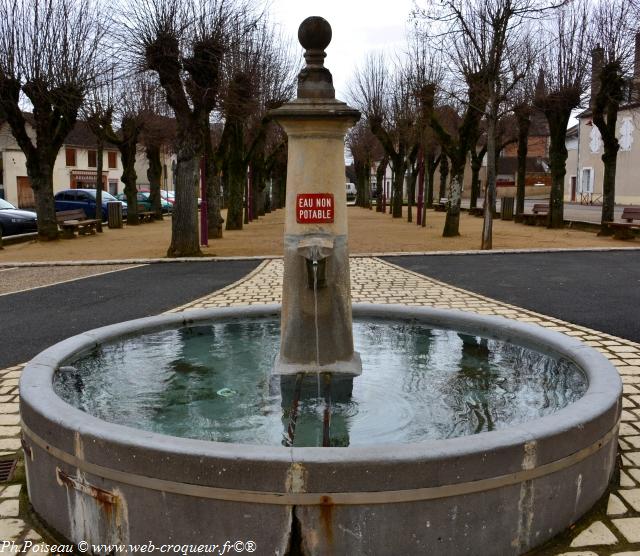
(351, 193)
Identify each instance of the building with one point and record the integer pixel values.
(589, 168)
(75, 166)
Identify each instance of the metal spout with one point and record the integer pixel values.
(316, 249)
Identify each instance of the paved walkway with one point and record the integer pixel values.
(612, 528)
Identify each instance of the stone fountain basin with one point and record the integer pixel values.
(500, 492)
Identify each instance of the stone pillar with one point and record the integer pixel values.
(316, 331)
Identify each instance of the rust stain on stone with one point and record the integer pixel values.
(326, 517)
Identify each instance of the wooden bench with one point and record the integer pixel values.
(145, 215)
(538, 215)
(624, 230)
(71, 220)
(441, 206)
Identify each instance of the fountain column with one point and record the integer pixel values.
(316, 297)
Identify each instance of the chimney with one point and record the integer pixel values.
(597, 61)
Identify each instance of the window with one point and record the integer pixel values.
(93, 159)
(586, 181)
(113, 159)
(113, 186)
(71, 157)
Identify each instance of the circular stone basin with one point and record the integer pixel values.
(466, 434)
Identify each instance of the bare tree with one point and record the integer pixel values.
(184, 44)
(523, 110)
(566, 64)
(98, 113)
(385, 99)
(612, 58)
(258, 76)
(157, 137)
(365, 150)
(485, 36)
(48, 59)
(455, 146)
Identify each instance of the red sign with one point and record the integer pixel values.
(314, 208)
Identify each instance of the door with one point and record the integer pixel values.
(573, 188)
(26, 198)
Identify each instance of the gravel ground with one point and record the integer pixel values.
(18, 279)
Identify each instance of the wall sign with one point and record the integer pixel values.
(314, 208)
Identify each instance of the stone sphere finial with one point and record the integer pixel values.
(314, 33)
(315, 81)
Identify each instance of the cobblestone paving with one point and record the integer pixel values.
(614, 532)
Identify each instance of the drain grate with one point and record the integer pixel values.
(7, 467)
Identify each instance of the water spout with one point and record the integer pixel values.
(316, 249)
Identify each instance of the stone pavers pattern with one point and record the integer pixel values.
(377, 281)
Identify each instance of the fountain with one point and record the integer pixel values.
(445, 433)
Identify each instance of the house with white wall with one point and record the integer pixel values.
(75, 166)
(589, 168)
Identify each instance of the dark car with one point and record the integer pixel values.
(144, 201)
(85, 199)
(15, 221)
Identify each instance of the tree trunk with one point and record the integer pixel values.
(428, 185)
(247, 198)
(558, 120)
(452, 220)
(398, 183)
(184, 223)
(606, 104)
(411, 190)
(524, 123)
(444, 174)
(476, 164)
(213, 185)
(432, 165)
(154, 175)
(610, 160)
(419, 211)
(128, 147)
(99, 184)
(381, 172)
(237, 177)
(367, 185)
(42, 185)
(490, 191)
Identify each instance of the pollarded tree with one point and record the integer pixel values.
(258, 76)
(486, 39)
(565, 60)
(455, 146)
(48, 59)
(385, 100)
(184, 45)
(365, 150)
(613, 30)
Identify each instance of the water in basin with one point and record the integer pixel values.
(213, 382)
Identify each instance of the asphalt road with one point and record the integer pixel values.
(33, 320)
(600, 290)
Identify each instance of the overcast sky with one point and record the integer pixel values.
(358, 26)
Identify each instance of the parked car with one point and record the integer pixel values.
(15, 221)
(169, 196)
(351, 193)
(85, 199)
(144, 200)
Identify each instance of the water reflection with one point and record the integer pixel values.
(214, 382)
